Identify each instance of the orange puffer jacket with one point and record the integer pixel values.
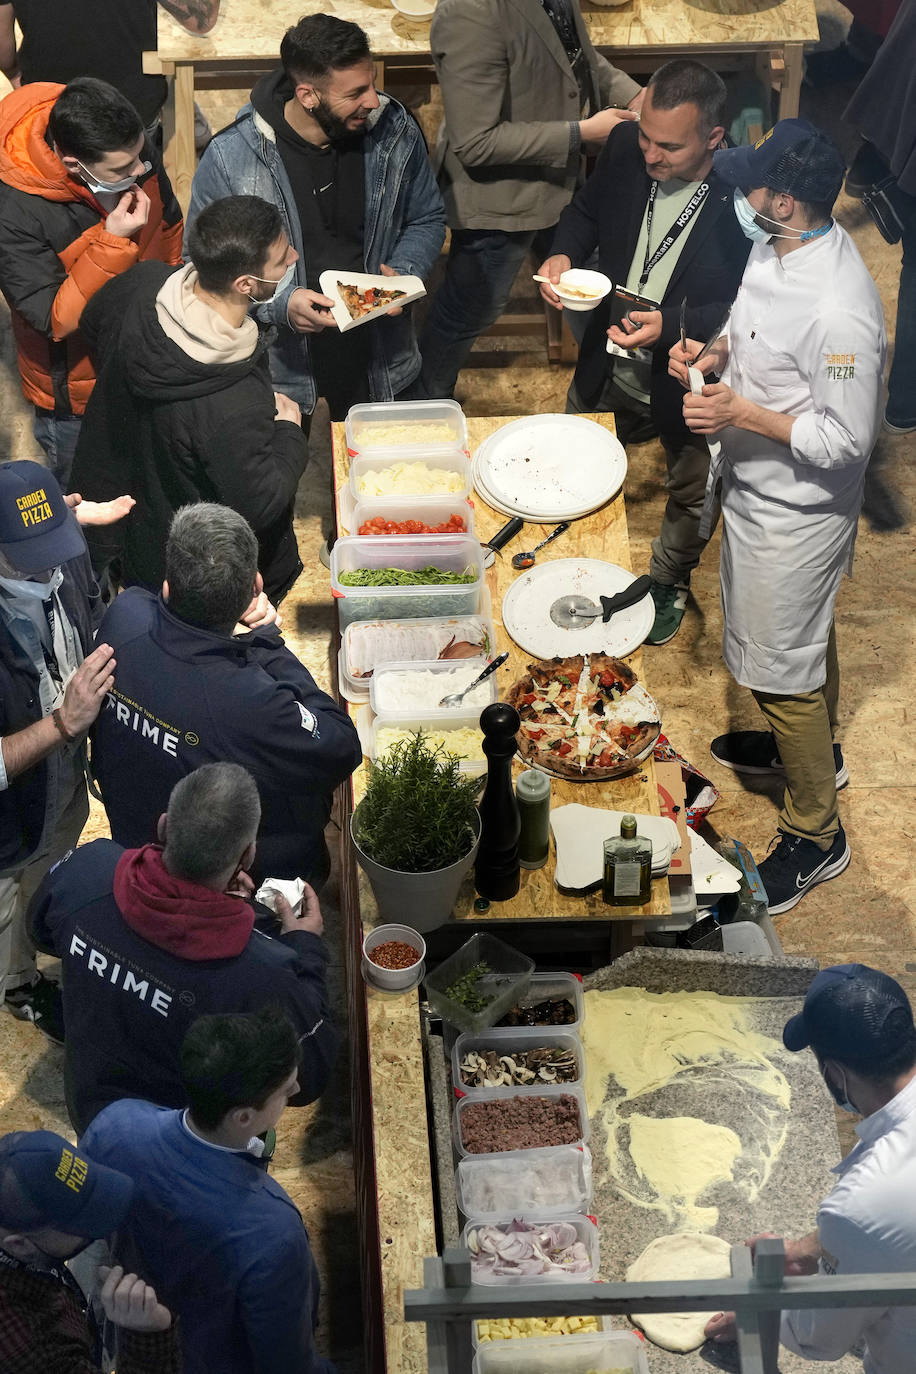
(55, 251)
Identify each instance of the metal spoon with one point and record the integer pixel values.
(526, 560)
(456, 698)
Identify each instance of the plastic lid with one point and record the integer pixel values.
(628, 827)
(532, 786)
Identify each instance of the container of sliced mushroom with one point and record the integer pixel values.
(488, 1061)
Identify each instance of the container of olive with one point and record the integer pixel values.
(501, 1059)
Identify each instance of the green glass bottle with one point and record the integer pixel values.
(627, 867)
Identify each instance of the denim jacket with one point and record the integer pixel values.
(404, 227)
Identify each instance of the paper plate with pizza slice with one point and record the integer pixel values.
(359, 297)
(585, 718)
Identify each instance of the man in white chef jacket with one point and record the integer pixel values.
(859, 1024)
(796, 413)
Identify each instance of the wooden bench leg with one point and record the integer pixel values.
(561, 346)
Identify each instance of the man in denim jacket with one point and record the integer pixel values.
(348, 170)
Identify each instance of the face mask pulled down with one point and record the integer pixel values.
(748, 218)
(278, 286)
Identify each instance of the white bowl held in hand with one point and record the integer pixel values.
(415, 9)
(580, 289)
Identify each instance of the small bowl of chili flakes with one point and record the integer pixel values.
(393, 958)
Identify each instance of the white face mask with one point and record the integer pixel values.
(747, 217)
(278, 286)
(112, 188)
(25, 589)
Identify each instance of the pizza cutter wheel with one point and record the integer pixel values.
(576, 612)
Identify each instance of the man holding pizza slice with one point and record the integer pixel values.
(798, 410)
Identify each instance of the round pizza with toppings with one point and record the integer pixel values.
(584, 718)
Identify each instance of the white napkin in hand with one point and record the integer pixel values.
(580, 831)
(290, 888)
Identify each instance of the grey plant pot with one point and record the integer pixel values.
(421, 900)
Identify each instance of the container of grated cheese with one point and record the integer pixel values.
(406, 425)
(456, 731)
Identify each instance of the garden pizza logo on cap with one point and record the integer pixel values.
(38, 530)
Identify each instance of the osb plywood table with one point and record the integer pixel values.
(642, 33)
(392, 1156)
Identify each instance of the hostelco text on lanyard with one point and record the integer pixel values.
(673, 234)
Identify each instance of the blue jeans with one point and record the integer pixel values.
(482, 265)
(58, 435)
(901, 385)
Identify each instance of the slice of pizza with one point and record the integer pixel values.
(361, 301)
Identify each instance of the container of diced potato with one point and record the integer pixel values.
(389, 475)
(607, 1352)
(484, 1332)
(458, 733)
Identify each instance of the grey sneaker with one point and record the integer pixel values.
(670, 605)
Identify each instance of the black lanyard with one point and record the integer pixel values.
(674, 233)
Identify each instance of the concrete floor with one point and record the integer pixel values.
(867, 914)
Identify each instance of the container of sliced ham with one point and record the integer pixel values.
(368, 643)
(532, 1250)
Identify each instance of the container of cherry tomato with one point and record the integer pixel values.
(413, 515)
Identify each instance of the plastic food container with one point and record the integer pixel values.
(429, 510)
(575, 1090)
(426, 635)
(511, 974)
(453, 675)
(586, 1230)
(445, 720)
(543, 986)
(367, 425)
(394, 979)
(444, 460)
(609, 1350)
(506, 1043)
(494, 1185)
(447, 552)
(604, 1324)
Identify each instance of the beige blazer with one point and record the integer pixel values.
(506, 156)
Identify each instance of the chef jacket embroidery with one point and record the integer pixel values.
(841, 367)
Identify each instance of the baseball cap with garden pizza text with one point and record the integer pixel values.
(38, 530)
(794, 157)
(45, 1182)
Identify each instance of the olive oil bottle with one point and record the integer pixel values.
(627, 867)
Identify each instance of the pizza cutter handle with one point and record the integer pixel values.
(628, 597)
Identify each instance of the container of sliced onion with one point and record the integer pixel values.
(387, 951)
(526, 1250)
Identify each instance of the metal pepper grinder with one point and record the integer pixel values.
(497, 871)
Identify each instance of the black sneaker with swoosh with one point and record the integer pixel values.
(796, 865)
(755, 752)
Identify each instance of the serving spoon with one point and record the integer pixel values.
(456, 698)
(527, 558)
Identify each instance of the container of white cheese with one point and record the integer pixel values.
(405, 690)
(392, 474)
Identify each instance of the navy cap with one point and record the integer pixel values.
(794, 157)
(38, 530)
(852, 1013)
(47, 1182)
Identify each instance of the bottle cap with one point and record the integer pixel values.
(628, 827)
(532, 786)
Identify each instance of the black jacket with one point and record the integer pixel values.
(184, 697)
(128, 1002)
(24, 803)
(170, 431)
(607, 214)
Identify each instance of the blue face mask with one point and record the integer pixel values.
(279, 286)
(746, 216)
(112, 188)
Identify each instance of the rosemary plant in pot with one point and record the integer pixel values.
(416, 832)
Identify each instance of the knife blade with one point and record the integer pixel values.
(713, 338)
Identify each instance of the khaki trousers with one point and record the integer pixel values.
(17, 953)
(803, 727)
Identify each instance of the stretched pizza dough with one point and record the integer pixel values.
(684, 1255)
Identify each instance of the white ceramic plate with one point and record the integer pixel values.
(412, 287)
(532, 517)
(526, 610)
(560, 465)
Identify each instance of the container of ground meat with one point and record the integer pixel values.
(553, 1001)
(528, 1119)
(608, 1352)
(532, 1249)
(544, 1183)
(504, 1061)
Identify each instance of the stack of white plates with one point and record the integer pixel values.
(546, 468)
